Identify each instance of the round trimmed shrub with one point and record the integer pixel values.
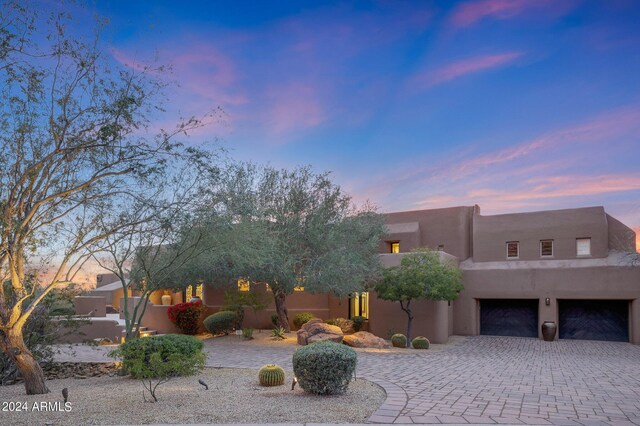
(302, 318)
(324, 367)
(399, 340)
(271, 375)
(186, 316)
(420, 342)
(220, 322)
(161, 356)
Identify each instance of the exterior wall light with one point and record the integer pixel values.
(547, 301)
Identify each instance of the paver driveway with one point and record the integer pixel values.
(489, 380)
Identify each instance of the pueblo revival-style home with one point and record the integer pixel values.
(569, 266)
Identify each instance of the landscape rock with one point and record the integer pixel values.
(364, 339)
(316, 330)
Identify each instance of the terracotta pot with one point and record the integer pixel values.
(549, 329)
(167, 299)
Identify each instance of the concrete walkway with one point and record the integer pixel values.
(493, 380)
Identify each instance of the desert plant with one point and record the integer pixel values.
(324, 367)
(399, 340)
(186, 316)
(420, 342)
(274, 320)
(345, 325)
(358, 321)
(155, 360)
(247, 333)
(278, 333)
(302, 318)
(220, 322)
(271, 375)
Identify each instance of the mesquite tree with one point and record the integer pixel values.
(72, 141)
(290, 229)
(421, 275)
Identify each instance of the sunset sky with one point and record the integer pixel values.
(514, 105)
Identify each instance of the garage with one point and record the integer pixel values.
(509, 317)
(594, 320)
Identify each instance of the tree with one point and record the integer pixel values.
(421, 275)
(291, 229)
(73, 141)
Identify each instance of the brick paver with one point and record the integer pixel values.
(498, 380)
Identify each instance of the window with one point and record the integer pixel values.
(546, 248)
(583, 246)
(441, 247)
(394, 247)
(298, 288)
(359, 305)
(513, 249)
(243, 285)
(189, 292)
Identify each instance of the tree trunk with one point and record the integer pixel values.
(407, 309)
(28, 366)
(281, 309)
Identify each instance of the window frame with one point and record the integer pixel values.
(552, 248)
(517, 256)
(577, 243)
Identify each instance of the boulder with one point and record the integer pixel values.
(316, 330)
(364, 339)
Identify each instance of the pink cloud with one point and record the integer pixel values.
(471, 12)
(293, 107)
(465, 67)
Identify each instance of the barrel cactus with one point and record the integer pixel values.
(271, 375)
(420, 342)
(399, 340)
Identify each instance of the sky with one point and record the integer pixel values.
(515, 105)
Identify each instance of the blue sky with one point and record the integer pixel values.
(515, 105)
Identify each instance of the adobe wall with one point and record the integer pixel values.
(621, 237)
(600, 282)
(449, 227)
(491, 233)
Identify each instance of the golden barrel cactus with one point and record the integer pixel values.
(271, 375)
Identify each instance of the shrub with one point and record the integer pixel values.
(345, 325)
(220, 322)
(186, 316)
(278, 333)
(358, 321)
(399, 340)
(420, 342)
(302, 318)
(247, 333)
(324, 367)
(160, 358)
(274, 320)
(271, 375)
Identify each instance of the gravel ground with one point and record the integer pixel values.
(234, 396)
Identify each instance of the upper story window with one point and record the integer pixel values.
(513, 249)
(546, 248)
(243, 285)
(394, 247)
(440, 247)
(583, 246)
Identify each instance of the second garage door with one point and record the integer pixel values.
(594, 320)
(509, 317)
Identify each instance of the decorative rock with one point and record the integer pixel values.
(316, 330)
(101, 341)
(364, 339)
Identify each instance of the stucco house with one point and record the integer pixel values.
(568, 266)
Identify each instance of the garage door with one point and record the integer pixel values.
(509, 317)
(594, 320)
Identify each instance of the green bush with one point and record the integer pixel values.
(399, 340)
(247, 333)
(420, 342)
(274, 320)
(358, 321)
(159, 357)
(220, 322)
(302, 318)
(324, 367)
